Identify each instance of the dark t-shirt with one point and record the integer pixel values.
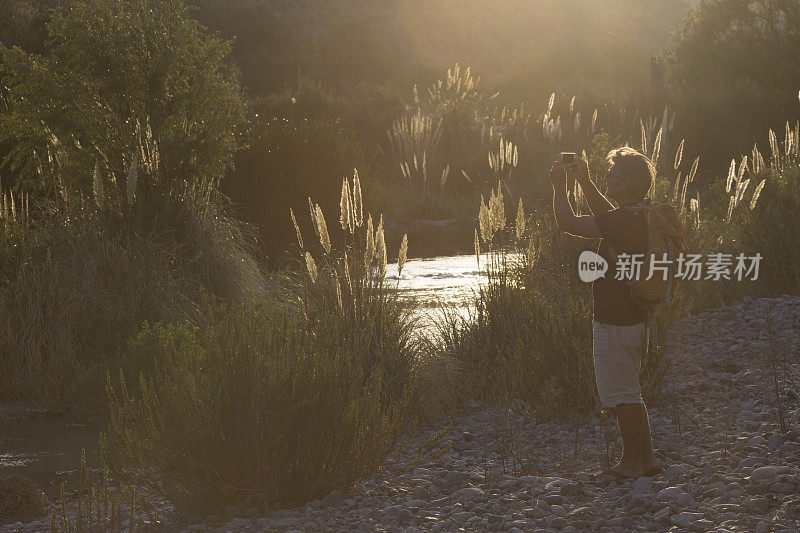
(611, 299)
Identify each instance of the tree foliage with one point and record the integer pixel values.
(734, 70)
(725, 43)
(117, 75)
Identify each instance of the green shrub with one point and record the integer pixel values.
(257, 404)
(281, 402)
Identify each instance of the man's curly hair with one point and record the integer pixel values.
(635, 167)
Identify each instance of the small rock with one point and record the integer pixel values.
(767, 473)
(775, 442)
(553, 499)
(467, 494)
(455, 477)
(675, 471)
(757, 504)
(663, 513)
(643, 484)
(669, 494)
(558, 510)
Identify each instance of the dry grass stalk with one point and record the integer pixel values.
(347, 276)
(380, 249)
(313, 212)
(296, 229)
(401, 256)
(477, 245)
(369, 246)
(97, 186)
(679, 155)
(358, 204)
(693, 170)
(324, 238)
(656, 148)
(644, 136)
(757, 193)
(311, 266)
(130, 184)
(519, 223)
(731, 175)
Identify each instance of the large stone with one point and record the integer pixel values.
(757, 504)
(558, 510)
(768, 473)
(775, 442)
(684, 499)
(675, 471)
(669, 494)
(685, 518)
(455, 478)
(553, 499)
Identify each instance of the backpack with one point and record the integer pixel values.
(665, 236)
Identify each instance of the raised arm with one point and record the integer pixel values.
(580, 226)
(597, 202)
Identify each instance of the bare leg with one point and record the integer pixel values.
(631, 421)
(649, 460)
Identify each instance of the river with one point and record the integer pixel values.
(427, 285)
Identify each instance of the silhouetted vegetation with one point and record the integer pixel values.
(167, 166)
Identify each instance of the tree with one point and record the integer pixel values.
(119, 76)
(735, 67)
(22, 23)
(731, 42)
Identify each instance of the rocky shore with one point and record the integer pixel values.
(725, 431)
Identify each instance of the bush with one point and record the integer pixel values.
(116, 72)
(79, 276)
(20, 499)
(278, 402)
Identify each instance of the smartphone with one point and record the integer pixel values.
(568, 157)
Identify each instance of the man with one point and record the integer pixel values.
(618, 323)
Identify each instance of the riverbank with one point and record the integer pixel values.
(717, 430)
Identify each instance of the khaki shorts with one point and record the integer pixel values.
(617, 352)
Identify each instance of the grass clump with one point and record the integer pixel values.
(79, 275)
(20, 499)
(281, 401)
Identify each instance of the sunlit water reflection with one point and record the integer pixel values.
(428, 284)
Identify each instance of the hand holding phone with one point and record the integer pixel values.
(567, 157)
(558, 174)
